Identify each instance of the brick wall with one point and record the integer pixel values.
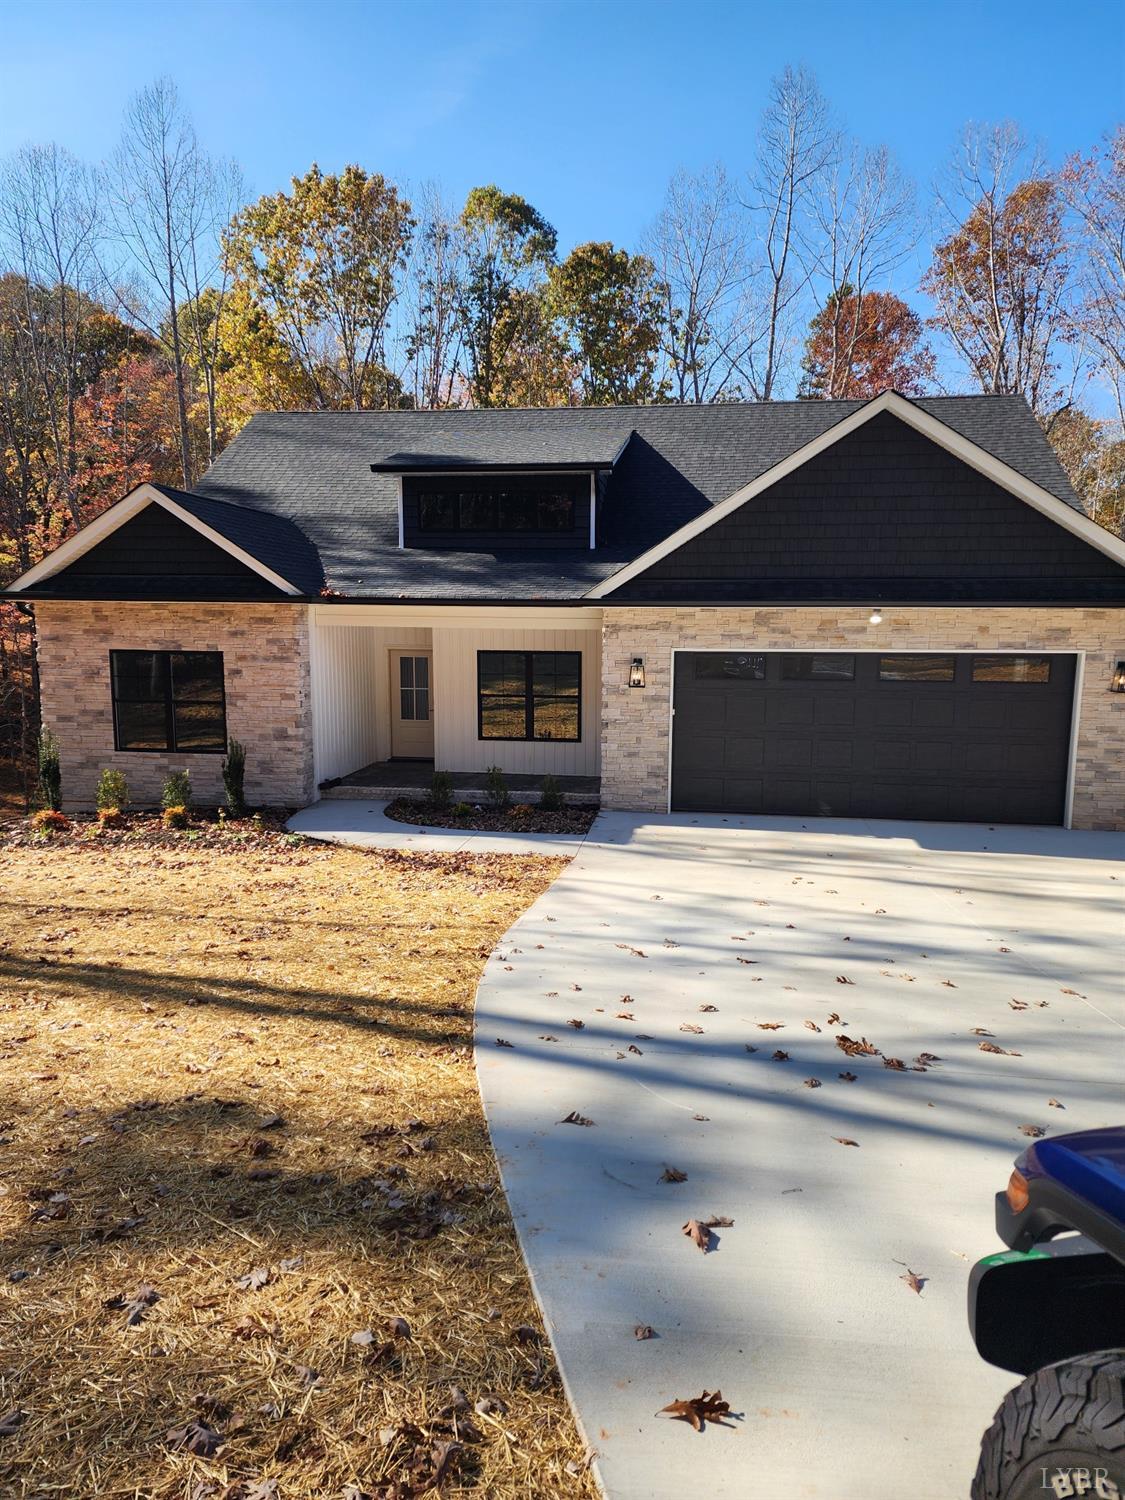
(266, 669)
(636, 724)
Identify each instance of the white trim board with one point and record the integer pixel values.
(116, 516)
(906, 411)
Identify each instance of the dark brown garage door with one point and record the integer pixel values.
(973, 738)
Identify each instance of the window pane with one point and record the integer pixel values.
(730, 664)
(421, 703)
(1011, 669)
(517, 511)
(200, 726)
(502, 672)
(198, 675)
(422, 671)
(437, 511)
(406, 703)
(829, 668)
(406, 671)
(556, 512)
(555, 719)
(555, 673)
(478, 511)
(142, 726)
(502, 719)
(916, 668)
(139, 675)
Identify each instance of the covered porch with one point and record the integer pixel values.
(401, 691)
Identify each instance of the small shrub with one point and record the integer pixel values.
(112, 792)
(521, 810)
(497, 788)
(462, 810)
(50, 771)
(110, 817)
(177, 790)
(441, 789)
(49, 821)
(234, 775)
(175, 817)
(550, 796)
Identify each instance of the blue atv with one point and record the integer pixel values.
(1052, 1308)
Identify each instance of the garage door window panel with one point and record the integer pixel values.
(917, 668)
(1027, 671)
(812, 667)
(723, 665)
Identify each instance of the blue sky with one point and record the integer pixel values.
(584, 107)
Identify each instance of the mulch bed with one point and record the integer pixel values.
(519, 818)
(146, 830)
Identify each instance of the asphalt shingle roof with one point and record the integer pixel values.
(310, 474)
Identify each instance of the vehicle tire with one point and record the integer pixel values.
(1060, 1433)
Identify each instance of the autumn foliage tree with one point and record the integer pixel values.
(613, 310)
(858, 346)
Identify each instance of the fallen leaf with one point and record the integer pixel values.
(1035, 1131)
(718, 1221)
(847, 1077)
(709, 1407)
(672, 1174)
(896, 1063)
(1018, 1004)
(749, 1048)
(574, 1118)
(771, 1025)
(779, 1056)
(523, 1333)
(1002, 1051)
(398, 1327)
(834, 1018)
(844, 1141)
(913, 1280)
(11, 1421)
(500, 1042)
(195, 1437)
(862, 1048)
(254, 1280)
(136, 1305)
(812, 1083)
(1054, 1103)
(699, 1234)
(811, 1026)
(578, 1025)
(981, 1031)
(695, 1030)
(636, 952)
(843, 979)
(708, 1007)
(643, 1331)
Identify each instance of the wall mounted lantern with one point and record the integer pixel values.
(1117, 681)
(637, 672)
(876, 617)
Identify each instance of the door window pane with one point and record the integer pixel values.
(916, 668)
(711, 664)
(414, 688)
(1035, 669)
(830, 667)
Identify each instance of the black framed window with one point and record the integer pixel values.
(498, 503)
(1029, 669)
(169, 700)
(917, 668)
(833, 666)
(529, 695)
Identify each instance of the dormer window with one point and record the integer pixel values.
(493, 510)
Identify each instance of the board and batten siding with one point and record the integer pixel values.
(456, 743)
(344, 715)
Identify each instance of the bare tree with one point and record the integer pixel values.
(431, 325)
(797, 143)
(1095, 192)
(698, 246)
(861, 229)
(50, 226)
(1001, 274)
(168, 202)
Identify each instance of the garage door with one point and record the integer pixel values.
(970, 738)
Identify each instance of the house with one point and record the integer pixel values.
(884, 609)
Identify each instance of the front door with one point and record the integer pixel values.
(412, 706)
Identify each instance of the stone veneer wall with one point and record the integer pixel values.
(636, 723)
(266, 669)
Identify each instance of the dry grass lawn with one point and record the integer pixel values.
(237, 1102)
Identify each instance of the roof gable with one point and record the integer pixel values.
(1096, 553)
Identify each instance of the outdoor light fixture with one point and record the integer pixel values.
(1117, 681)
(637, 672)
(876, 616)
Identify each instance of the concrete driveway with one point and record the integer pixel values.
(845, 1382)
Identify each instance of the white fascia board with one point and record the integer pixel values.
(116, 516)
(906, 411)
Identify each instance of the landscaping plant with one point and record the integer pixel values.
(550, 797)
(234, 775)
(497, 788)
(49, 820)
(113, 791)
(50, 771)
(441, 789)
(175, 816)
(177, 791)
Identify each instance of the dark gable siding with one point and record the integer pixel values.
(153, 553)
(884, 512)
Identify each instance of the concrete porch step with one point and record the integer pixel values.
(530, 796)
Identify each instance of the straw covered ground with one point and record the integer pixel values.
(252, 1242)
